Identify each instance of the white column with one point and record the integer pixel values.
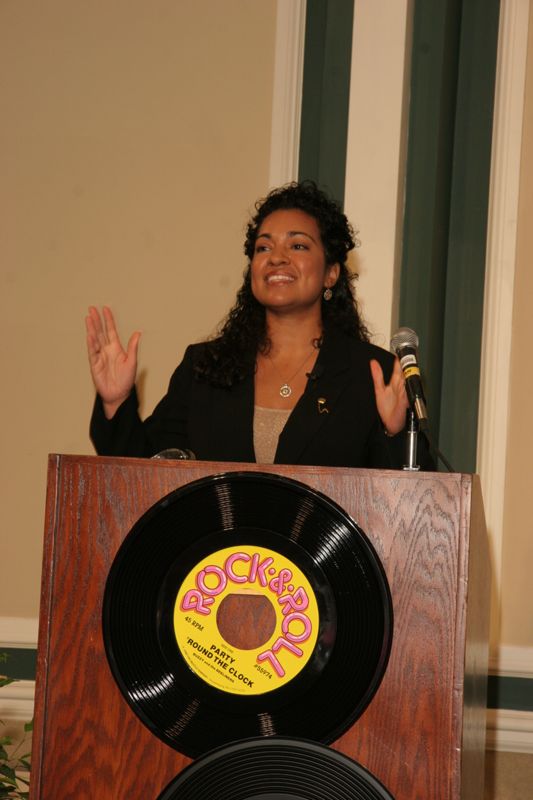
(376, 154)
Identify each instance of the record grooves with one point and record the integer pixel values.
(249, 538)
(275, 769)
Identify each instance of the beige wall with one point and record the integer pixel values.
(135, 136)
(517, 557)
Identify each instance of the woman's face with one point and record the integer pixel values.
(288, 268)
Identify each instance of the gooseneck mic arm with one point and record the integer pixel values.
(411, 443)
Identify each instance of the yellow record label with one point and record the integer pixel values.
(251, 657)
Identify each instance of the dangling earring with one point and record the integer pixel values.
(328, 294)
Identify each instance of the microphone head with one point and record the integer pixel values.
(404, 337)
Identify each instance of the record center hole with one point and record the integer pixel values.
(246, 621)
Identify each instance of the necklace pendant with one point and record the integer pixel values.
(285, 390)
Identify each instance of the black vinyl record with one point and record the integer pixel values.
(275, 769)
(243, 605)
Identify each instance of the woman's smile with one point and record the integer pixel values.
(279, 277)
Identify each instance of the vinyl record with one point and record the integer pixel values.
(244, 605)
(275, 769)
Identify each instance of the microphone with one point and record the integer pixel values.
(405, 343)
(176, 453)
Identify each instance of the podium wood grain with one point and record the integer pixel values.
(423, 733)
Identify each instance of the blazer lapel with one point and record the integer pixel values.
(231, 422)
(327, 381)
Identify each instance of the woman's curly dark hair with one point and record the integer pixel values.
(229, 357)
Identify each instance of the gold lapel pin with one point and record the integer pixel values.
(322, 408)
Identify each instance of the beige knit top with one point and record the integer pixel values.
(268, 424)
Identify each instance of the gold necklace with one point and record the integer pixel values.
(285, 389)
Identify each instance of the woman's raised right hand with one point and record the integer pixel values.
(113, 369)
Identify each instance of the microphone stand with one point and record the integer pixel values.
(411, 442)
(413, 428)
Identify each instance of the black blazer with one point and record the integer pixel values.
(335, 422)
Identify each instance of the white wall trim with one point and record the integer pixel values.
(510, 731)
(18, 632)
(17, 701)
(500, 269)
(513, 662)
(287, 97)
(376, 155)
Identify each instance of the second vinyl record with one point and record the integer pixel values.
(243, 605)
(275, 769)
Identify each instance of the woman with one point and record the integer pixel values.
(292, 377)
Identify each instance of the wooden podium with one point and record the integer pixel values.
(423, 733)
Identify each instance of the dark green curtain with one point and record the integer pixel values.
(326, 92)
(445, 224)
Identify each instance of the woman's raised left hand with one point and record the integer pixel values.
(391, 397)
